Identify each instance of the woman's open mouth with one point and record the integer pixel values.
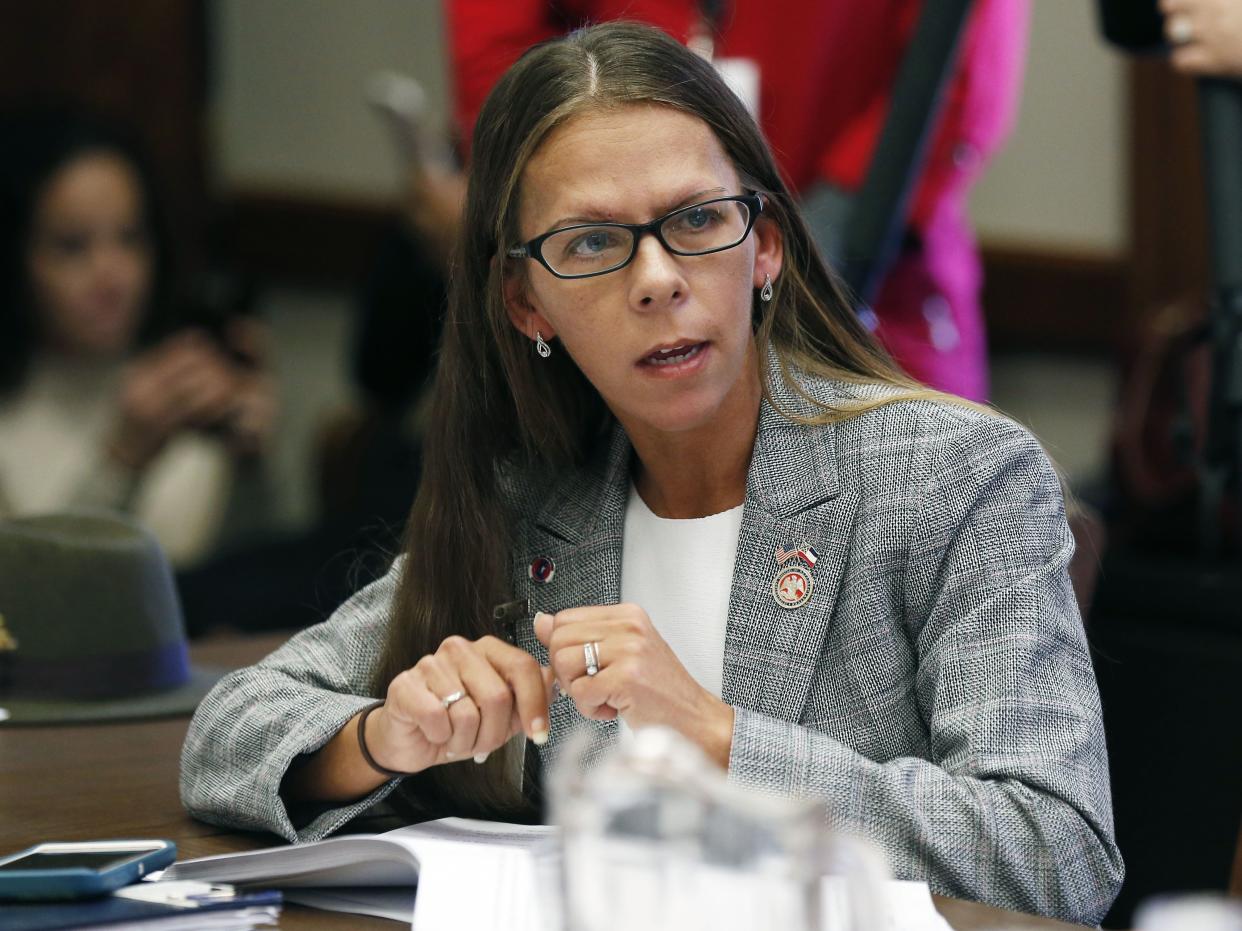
(674, 356)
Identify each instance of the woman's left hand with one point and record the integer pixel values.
(639, 678)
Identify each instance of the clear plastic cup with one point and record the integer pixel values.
(655, 837)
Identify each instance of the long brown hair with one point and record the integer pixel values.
(496, 405)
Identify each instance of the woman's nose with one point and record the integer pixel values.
(656, 276)
(115, 265)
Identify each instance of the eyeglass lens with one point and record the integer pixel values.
(586, 250)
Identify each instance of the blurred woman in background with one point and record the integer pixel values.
(105, 399)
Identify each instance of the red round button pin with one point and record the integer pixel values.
(542, 569)
(792, 587)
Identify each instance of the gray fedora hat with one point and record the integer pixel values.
(90, 624)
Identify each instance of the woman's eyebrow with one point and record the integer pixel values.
(592, 214)
(691, 198)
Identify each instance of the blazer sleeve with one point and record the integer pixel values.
(1013, 805)
(257, 721)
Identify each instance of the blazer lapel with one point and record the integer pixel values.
(580, 529)
(793, 498)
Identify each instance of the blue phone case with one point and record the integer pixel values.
(82, 882)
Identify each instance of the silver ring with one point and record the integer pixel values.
(590, 653)
(1181, 30)
(450, 699)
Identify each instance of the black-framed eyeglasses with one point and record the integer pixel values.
(592, 249)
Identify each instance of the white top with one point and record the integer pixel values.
(52, 437)
(680, 572)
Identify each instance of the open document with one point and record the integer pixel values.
(455, 873)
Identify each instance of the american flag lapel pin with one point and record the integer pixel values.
(794, 583)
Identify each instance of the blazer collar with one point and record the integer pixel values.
(793, 466)
(581, 499)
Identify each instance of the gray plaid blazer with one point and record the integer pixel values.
(935, 691)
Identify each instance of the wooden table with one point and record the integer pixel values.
(120, 780)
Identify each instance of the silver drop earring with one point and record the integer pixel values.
(766, 294)
(541, 347)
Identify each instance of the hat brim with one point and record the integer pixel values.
(170, 703)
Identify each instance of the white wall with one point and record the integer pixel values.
(291, 75)
(289, 113)
(1062, 181)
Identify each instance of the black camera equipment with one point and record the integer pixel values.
(862, 233)
(1165, 631)
(1138, 27)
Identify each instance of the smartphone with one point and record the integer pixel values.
(78, 870)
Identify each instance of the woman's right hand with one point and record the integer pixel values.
(506, 692)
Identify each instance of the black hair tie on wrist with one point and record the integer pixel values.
(362, 744)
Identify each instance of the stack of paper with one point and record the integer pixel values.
(467, 874)
(455, 873)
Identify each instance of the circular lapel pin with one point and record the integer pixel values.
(542, 569)
(792, 587)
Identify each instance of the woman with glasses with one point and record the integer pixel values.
(670, 476)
